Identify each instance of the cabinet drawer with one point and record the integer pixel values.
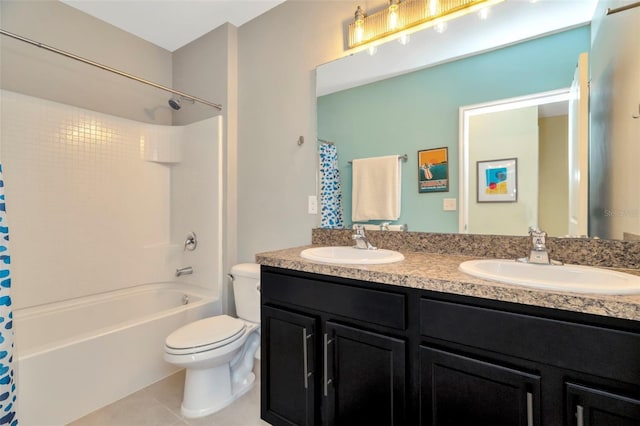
(374, 306)
(594, 350)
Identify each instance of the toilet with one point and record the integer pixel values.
(218, 352)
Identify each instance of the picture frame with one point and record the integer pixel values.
(497, 181)
(433, 170)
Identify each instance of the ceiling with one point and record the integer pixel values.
(171, 24)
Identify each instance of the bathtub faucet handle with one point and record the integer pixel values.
(188, 270)
(191, 242)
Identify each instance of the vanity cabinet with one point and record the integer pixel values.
(595, 407)
(290, 358)
(326, 358)
(459, 390)
(346, 352)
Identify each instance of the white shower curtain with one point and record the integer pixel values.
(330, 192)
(7, 379)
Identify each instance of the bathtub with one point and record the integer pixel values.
(76, 356)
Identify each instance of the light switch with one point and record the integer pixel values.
(312, 204)
(449, 204)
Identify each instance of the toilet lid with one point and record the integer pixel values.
(221, 329)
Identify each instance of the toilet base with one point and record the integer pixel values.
(215, 395)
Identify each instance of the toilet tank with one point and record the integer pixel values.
(246, 291)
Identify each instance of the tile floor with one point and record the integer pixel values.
(159, 405)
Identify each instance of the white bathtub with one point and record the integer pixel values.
(76, 356)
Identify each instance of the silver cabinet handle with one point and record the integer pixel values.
(327, 380)
(304, 358)
(529, 409)
(579, 415)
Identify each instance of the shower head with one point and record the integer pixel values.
(175, 103)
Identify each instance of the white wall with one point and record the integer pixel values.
(208, 67)
(277, 56)
(27, 69)
(196, 202)
(86, 214)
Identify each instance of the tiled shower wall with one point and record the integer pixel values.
(86, 213)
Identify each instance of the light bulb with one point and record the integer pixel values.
(440, 27)
(433, 7)
(483, 13)
(359, 32)
(359, 25)
(393, 14)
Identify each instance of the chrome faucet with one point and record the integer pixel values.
(539, 254)
(361, 240)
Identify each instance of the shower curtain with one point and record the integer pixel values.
(7, 379)
(330, 193)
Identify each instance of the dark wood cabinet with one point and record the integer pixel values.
(346, 352)
(594, 407)
(365, 377)
(458, 390)
(324, 357)
(288, 380)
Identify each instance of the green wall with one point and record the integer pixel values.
(419, 110)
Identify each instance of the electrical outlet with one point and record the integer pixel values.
(449, 204)
(312, 204)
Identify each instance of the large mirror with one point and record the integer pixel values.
(403, 113)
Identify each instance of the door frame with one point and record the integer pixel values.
(465, 114)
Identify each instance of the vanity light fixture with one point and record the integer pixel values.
(409, 16)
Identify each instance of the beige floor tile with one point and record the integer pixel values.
(137, 409)
(159, 405)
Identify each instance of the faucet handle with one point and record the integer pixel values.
(538, 238)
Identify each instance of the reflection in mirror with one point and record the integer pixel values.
(419, 110)
(534, 130)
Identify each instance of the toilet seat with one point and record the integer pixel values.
(205, 335)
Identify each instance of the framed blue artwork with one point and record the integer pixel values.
(497, 181)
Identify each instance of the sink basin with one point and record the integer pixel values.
(351, 256)
(570, 278)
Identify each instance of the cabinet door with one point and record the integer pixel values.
(594, 407)
(287, 367)
(364, 377)
(457, 390)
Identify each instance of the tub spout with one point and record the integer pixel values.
(184, 271)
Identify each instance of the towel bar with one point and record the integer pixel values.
(403, 157)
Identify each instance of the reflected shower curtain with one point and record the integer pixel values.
(330, 192)
(7, 383)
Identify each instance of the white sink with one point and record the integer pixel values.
(351, 256)
(570, 278)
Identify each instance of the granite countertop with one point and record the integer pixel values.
(439, 272)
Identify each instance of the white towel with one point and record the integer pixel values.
(376, 188)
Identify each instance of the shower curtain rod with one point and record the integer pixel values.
(113, 70)
(611, 11)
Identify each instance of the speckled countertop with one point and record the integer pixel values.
(439, 272)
